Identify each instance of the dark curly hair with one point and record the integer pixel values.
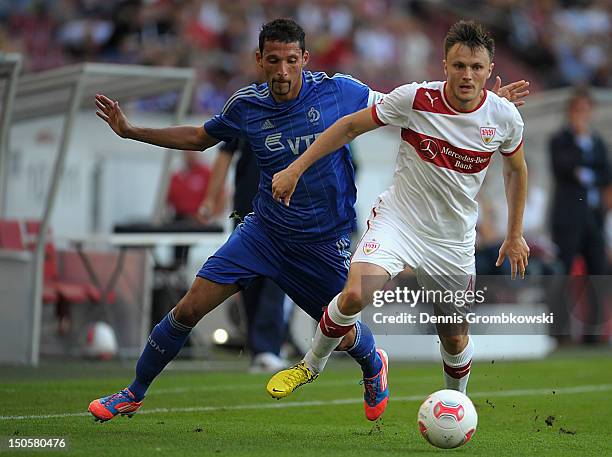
(283, 30)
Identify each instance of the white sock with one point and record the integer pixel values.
(457, 367)
(330, 331)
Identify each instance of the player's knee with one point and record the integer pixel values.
(188, 310)
(351, 301)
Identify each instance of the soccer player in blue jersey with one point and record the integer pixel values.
(304, 248)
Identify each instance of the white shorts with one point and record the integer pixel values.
(393, 245)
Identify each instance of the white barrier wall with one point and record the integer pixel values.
(16, 311)
(106, 179)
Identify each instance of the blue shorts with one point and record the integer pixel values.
(311, 274)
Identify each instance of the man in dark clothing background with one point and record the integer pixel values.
(581, 172)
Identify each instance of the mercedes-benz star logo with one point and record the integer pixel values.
(429, 148)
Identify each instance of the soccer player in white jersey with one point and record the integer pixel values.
(426, 220)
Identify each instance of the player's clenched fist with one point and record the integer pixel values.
(108, 110)
(283, 185)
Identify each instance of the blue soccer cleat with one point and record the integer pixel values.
(376, 394)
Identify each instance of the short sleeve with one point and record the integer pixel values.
(227, 125)
(514, 139)
(395, 107)
(355, 94)
(375, 97)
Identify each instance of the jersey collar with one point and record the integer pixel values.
(458, 111)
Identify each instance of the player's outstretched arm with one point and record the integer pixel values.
(180, 137)
(514, 246)
(342, 132)
(514, 92)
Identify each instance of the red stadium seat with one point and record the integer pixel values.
(61, 292)
(55, 291)
(11, 237)
(70, 292)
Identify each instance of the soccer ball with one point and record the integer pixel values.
(447, 419)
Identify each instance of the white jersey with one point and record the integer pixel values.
(443, 157)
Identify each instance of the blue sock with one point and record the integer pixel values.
(164, 343)
(364, 351)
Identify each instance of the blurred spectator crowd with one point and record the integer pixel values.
(383, 42)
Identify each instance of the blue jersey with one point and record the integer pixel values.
(322, 207)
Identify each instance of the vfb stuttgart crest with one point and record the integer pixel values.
(370, 246)
(487, 134)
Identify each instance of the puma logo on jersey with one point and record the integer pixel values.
(432, 100)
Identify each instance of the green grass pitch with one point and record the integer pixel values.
(559, 406)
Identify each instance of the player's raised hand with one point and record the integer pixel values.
(283, 185)
(517, 251)
(108, 110)
(514, 92)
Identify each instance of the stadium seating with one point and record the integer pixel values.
(10, 235)
(69, 291)
(15, 235)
